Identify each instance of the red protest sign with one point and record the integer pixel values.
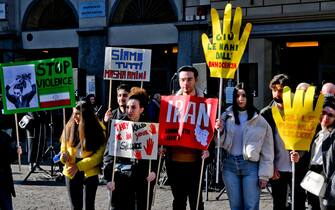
(187, 121)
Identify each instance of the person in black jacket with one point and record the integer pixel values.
(36, 136)
(8, 154)
(323, 155)
(130, 188)
(282, 175)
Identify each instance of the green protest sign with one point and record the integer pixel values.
(37, 85)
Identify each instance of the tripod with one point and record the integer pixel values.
(50, 150)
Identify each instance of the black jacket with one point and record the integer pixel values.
(266, 112)
(140, 167)
(8, 155)
(328, 158)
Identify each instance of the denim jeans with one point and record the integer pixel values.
(241, 180)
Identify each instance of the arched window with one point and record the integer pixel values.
(49, 14)
(143, 11)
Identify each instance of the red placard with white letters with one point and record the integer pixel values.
(187, 121)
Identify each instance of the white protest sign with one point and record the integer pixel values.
(137, 140)
(127, 64)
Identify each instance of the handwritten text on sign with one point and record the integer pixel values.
(133, 139)
(127, 64)
(297, 125)
(224, 52)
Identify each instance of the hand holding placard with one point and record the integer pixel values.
(297, 126)
(224, 54)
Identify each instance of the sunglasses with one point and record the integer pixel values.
(328, 114)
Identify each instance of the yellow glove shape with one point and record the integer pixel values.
(297, 126)
(224, 54)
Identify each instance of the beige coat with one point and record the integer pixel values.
(257, 142)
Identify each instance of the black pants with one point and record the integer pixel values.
(5, 199)
(280, 188)
(131, 191)
(80, 189)
(36, 142)
(184, 181)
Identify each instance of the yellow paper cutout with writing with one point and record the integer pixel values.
(224, 54)
(297, 126)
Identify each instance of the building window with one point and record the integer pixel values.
(143, 11)
(49, 15)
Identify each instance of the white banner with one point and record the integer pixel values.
(137, 140)
(127, 64)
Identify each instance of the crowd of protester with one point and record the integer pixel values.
(252, 151)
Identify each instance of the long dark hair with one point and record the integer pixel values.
(250, 108)
(88, 133)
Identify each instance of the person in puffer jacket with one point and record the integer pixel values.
(248, 150)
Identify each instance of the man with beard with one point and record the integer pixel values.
(119, 113)
(282, 174)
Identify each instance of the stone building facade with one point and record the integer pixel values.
(81, 29)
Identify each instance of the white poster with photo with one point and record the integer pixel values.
(137, 140)
(127, 64)
(20, 86)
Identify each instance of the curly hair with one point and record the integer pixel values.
(139, 94)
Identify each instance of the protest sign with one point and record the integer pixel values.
(37, 85)
(133, 139)
(187, 121)
(127, 64)
(224, 54)
(298, 124)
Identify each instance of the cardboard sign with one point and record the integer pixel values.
(187, 121)
(37, 85)
(137, 140)
(127, 64)
(298, 124)
(224, 54)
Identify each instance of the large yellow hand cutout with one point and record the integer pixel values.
(297, 126)
(224, 54)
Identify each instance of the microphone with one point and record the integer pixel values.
(172, 83)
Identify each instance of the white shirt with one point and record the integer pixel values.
(317, 156)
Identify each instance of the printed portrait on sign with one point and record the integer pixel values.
(20, 87)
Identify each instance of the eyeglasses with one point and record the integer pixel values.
(123, 95)
(328, 114)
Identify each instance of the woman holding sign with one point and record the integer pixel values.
(247, 151)
(322, 157)
(82, 147)
(131, 177)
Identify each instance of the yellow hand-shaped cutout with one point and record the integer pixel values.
(224, 54)
(297, 126)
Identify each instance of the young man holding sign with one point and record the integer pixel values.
(282, 174)
(184, 164)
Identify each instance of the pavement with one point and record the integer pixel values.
(40, 191)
